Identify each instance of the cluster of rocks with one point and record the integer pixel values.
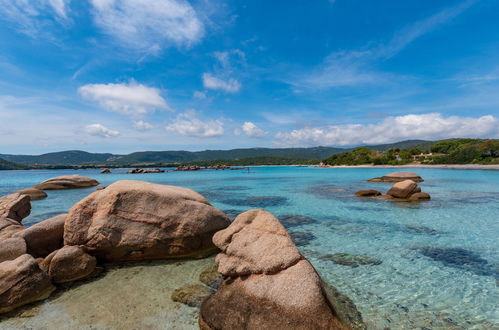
(261, 282)
(219, 167)
(188, 168)
(105, 171)
(402, 190)
(58, 183)
(144, 170)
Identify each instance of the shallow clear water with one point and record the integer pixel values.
(432, 264)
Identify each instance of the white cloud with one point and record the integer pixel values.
(200, 95)
(130, 99)
(430, 126)
(143, 125)
(188, 124)
(100, 130)
(149, 24)
(230, 85)
(251, 130)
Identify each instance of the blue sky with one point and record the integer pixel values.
(127, 75)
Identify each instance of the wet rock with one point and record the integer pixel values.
(15, 206)
(404, 189)
(12, 248)
(134, 220)
(191, 295)
(269, 284)
(351, 260)
(44, 237)
(301, 238)
(420, 196)
(461, 259)
(22, 282)
(211, 277)
(398, 177)
(294, 220)
(367, 193)
(345, 307)
(258, 202)
(68, 264)
(33, 193)
(67, 182)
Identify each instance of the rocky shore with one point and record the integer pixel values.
(261, 280)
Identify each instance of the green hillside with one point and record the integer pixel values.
(71, 157)
(5, 165)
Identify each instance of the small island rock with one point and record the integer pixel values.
(420, 196)
(268, 284)
(134, 220)
(22, 282)
(398, 177)
(67, 182)
(404, 189)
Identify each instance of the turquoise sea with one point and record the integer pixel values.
(428, 265)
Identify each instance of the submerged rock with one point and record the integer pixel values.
(302, 238)
(404, 189)
(191, 295)
(33, 193)
(367, 193)
(22, 282)
(15, 206)
(269, 284)
(294, 220)
(351, 260)
(134, 220)
(68, 264)
(258, 201)
(398, 177)
(44, 237)
(67, 182)
(211, 277)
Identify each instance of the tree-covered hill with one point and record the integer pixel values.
(5, 165)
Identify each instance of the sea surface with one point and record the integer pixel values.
(427, 265)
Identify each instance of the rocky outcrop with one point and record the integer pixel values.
(68, 264)
(268, 284)
(22, 282)
(67, 182)
(134, 220)
(188, 168)
(15, 206)
(404, 189)
(33, 193)
(44, 237)
(142, 170)
(105, 171)
(367, 193)
(398, 177)
(11, 248)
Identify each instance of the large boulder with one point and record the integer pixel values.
(11, 248)
(268, 284)
(134, 220)
(15, 206)
(398, 177)
(22, 282)
(44, 237)
(68, 264)
(404, 189)
(67, 182)
(9, 227)
(33, 193)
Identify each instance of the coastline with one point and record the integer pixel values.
(441, 166)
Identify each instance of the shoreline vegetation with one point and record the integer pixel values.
(450, 153)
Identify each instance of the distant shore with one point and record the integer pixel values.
(439, 166)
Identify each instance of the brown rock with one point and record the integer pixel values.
(367, 193)
(9, 227)
(68, 264)
(11, 248)
(67, 182)
(398, 177)
(22, 282)
(279, 290)
(134, 220)
(44, 237)
(33, 193)
(404, 189)
(384, 197)
(420, 196)
(15, 206)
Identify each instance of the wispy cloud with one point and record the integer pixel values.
(143, 125)
(251, 130)
(430, 126)
(130, 99)
(358, 67)
(188, 124)
(230, 85)
(149, 25)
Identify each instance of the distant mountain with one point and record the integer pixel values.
(422, 144)
(5, 165)
(82, 158)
